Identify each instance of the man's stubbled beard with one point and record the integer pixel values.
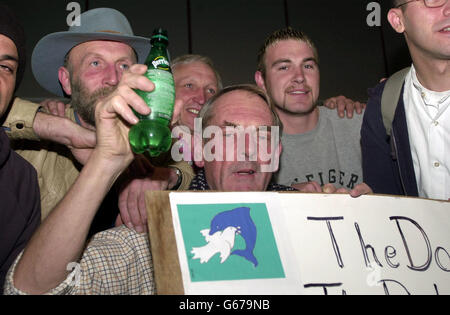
(83, 101)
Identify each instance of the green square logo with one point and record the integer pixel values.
(229, 242)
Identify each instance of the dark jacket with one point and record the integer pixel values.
(20, 206)
(387, 161)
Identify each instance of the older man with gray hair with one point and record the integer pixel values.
(196, 81)
(118, 261)
(246, 112)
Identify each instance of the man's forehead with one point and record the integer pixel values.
(8, 49)
(289, 47)
(242, 108)
(103, 47)
(196, 70)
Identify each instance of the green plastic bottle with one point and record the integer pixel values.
(152, 132)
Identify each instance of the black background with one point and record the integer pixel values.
(354, 56)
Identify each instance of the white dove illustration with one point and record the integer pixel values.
(220, 242)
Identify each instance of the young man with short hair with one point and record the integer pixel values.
(319, 149)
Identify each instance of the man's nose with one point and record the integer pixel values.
(299, 75)
(111, 76)
(200, 96)
(251, 144)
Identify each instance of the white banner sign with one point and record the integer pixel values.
(276, 243)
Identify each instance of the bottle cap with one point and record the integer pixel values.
(160, 34)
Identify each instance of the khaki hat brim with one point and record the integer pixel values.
(49, 53)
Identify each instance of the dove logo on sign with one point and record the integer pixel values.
(220, 238)
(219, 242)
(228, 241)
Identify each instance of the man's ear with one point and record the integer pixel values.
(64, 79)
(395, 18)
(259, 79)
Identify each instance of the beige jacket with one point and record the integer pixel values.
(56, 167)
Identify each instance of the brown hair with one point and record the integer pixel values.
(280, 35)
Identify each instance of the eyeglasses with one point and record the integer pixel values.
(428, 3)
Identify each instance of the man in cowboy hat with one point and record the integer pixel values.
(86, 63)
(20, 207)
(62, 236)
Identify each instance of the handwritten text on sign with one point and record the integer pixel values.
(374, 245)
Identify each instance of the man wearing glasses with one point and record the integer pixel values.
(414, 158)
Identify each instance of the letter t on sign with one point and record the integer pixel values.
(337, 252)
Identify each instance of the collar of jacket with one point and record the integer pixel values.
(400, 139)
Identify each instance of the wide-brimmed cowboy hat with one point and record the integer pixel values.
(96, 24)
